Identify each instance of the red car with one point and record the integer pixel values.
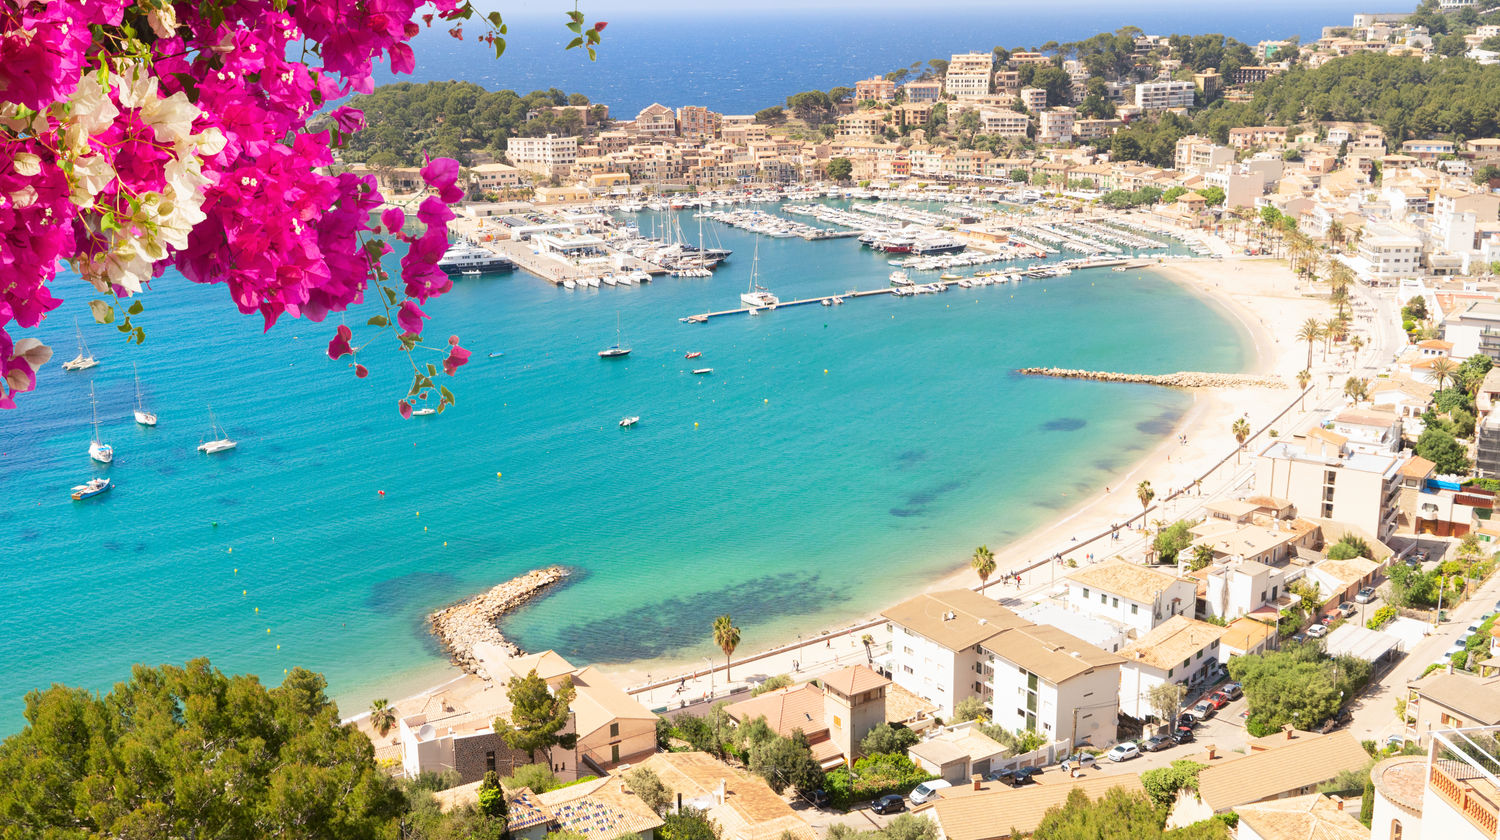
(1218, 699)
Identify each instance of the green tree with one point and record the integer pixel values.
(491, 795)
(1203, 557)
(537, 778)
(1241, 431)
(774, 115)
(1297, 685)
(1310, 332)
(839, 169)
(839, 94)
(1445, 452)
(1213, 195)
(1164, 783)
(644, 783)
(537, 715)
(771, 684)
(786, 762)
(382, 716)
(1145, 494)
(969, 708)
(727, 637)
(1171, 540)
(688, 824)
(910, 827)
(1166, 700)
(811, 106)
(1172, 194)
(884, 739)
(1442, 369)
(1349, 546)
(983, 563)
(179, 751)
(1304, 376)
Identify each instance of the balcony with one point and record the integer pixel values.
(1477, 802)
(1462, 771)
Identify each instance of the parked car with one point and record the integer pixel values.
(927, 790)
(1123, 752)
(1339, 719)
(1020, 776)
(1233, 691)
(1395, 742)
(1203, 710)
(1218, 700)
(1187, 719)
(893, 803)
(1348, 609)
(818, 798)
(1182, 735)
(1080, 760)
(1155, 743)
(1299, 637)
(1317, 631)
(1366, 595)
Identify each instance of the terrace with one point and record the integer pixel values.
(1464, 773)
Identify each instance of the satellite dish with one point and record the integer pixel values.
(427, 732)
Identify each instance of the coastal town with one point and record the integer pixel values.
(1278, 621)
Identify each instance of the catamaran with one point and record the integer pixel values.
(221, 443)
(85, 358)
(98, 450)
(757, 296)
(142, 416)
(616, 349)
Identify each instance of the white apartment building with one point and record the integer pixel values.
(1033, 99)
(1451, 793)
(1005, 123)
(1474, 329)
(1377, 432)
(550, 155)
(1056, 125)
(1386, 254)
(1322, 476)
(1138, 597)
(935, 645)
(968, 75)
(1241, 587)
(1196, 153)
(1159, 96)
(1181, 650)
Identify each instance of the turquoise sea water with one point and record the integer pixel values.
(835, 457)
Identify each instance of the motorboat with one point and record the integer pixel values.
(899, 277)
(92, 487)
(700, 371)
(466, 259)
(693, 355)
(627, 422)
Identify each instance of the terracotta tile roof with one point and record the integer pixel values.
(993, 811)
(1476, 699)
(601, 701)
(1363, 417)
(854, 680)
(1311, 817)
(750, 811)
(1172, 641)
(1261, 775)
(785, 710)
(975, 617)
(599, 810)
(1052, 653)
(1127, 580)
(1417, 467)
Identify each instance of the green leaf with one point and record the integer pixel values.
(390, 294)
(592, 55)
(124, 328)
(379, 321)
(575, 27)
(447, 395)
(431, 369)
(499, 47)
(576, 17)
(576, 42)
(136, 308)
(103, 312)
(494, 18)
(416, 384)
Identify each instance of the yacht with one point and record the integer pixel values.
(92, 487)
(627, 422)
(85, 358)
(221, 443)
(466, 258)
(98, 450)
(142, 416)
(617, 349)
(899, 277)
(700, 371)
(757, 296)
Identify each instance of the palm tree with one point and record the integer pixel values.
(1330, 331)
(1241, 432)
(869, 642)
(382, 716)
(1144, 492)
(727, 637)
(1355, 343)
(983, 563)
(1336, 232)
(1442, 370)
(1304, 376)
(1310, 332)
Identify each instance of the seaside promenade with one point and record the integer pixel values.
(1197, 464)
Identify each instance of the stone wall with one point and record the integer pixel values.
(1181, 379)
(461, 626)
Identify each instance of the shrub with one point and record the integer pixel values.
(1381, 617)
(538, 777)
(884, 739)
(771, 684)
(969, 708)
(874, 776)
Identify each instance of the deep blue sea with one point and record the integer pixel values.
(834, 458)
(737, 62)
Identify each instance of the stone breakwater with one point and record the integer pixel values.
(1181, 379)
(462, 625)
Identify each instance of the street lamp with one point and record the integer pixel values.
(710, 676)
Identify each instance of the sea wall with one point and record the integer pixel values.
(462, 625)
(1181, 379)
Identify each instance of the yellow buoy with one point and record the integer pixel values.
(825, 371)
(424, 527)
(268, 631)
(419, 513)
(445, 543)
(278, 647)
(244, 592)
(231, 551)
(765, 400)
(257, 610)
(236, 571)
(497, 475)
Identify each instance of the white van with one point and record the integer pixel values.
(927, 790)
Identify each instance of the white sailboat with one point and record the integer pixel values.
(219, 444)
(85, 358)
(142, 416)
(98, 450)
(757, 296)
(617, 349)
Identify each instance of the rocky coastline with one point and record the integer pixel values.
(1181, 379)
(461, 626)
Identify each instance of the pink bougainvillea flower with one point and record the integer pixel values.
(442, 174)
(457, 358)
(405, 408)
(393, 219)
(361, 371)
(339, 345)
(599, 27)
(409, 317)
(349, 120)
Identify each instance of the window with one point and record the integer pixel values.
(1114, 602)
(1395, 830)
(1187, 662)
(614, 753)
(614, 730)
(1200, 654)
(489, 760)
(838, 722)
(1102, 597)
(1169, 673)
(1031, 681)
(906, 668)
(1085, 592)
(1135, 608)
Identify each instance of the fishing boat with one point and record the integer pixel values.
(142, 416)
(617, 349)
(85, 358)
(693, 355)
(700, 371)
(757, 295)
(627, 422)
(92, 487)
(221, 443)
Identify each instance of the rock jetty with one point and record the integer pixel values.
(1181, 379)
(462, 625)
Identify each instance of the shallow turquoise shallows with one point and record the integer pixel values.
(834, 459)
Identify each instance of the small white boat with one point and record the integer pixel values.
(85, 358)
(899, 277)
(222, 443)
(827, 301)
(142, 416)
(950, 277)
(569, 284)
(700, 371)
(1118, 268)
(627, 422)
(98, 450)
(752, 311)
(92, 487)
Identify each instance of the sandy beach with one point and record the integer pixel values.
(1260, 294)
